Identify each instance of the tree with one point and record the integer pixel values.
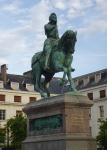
(102, 135)
(17, 128)
(2, 135)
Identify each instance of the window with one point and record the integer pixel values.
(2, 114)
(2, 98)
(90, 96)
(18, 112)
(32, 99)
(102, 94)
(89, 113)
(101, 111)
(17, 99)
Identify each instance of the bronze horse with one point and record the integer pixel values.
(61, 59)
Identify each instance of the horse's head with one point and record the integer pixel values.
(68, 40)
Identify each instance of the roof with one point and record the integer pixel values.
(16, 78)
(54, 87)
(91, 83)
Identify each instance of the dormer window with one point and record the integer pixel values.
(30, 87)
(15, 85)
(1, 84)
(86, 80)
(97, 77)
(75, 82)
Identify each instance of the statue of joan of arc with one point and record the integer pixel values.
(51, 31)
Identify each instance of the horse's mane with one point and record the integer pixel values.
(64, 37)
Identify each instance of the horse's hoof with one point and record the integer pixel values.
(61, 83)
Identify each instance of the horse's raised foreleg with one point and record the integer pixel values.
(37, 69)
(48, 78)
(70, 80)
(58, 68)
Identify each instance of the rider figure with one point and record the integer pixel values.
(51, 32)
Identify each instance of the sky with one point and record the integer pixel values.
(22, 32)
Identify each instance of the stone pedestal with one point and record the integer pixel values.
(59, 123)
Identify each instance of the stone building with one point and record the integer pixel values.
(16, 92)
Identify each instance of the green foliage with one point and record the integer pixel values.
(102, 135)
(17, 128)
(2, 136)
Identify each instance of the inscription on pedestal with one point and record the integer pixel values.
(77, 119)
(45, 123)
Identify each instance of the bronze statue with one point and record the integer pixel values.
(55, 57)
(52, 37)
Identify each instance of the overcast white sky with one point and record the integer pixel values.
(22, 32)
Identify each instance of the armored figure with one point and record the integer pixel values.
(51, 32)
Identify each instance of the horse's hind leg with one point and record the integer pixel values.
(38, 71)
(47, 79)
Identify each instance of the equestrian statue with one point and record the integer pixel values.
(55, 57)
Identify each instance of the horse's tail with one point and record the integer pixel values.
(33, 77)
(35, 58)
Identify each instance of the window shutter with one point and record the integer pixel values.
(102, 94)
(17, 99)
(18, 112)
(32, 99)
(2, 97)
(90, 96)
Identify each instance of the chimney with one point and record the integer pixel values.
(3, 73)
